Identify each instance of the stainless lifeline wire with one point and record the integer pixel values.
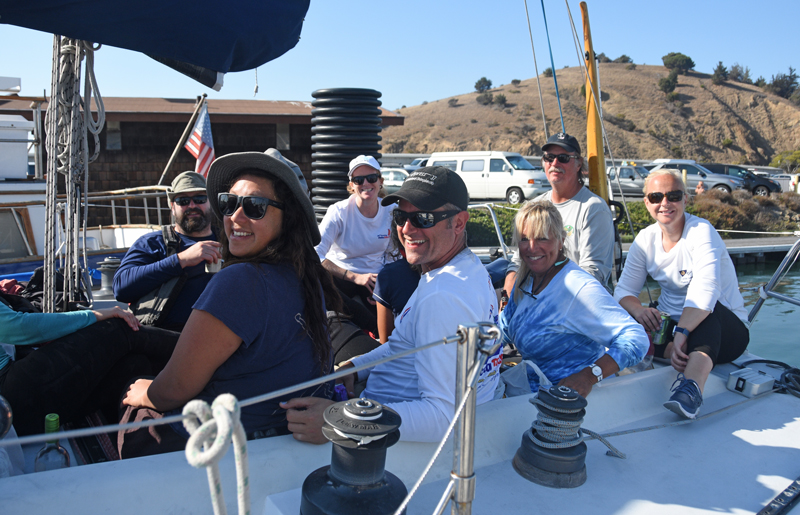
(78, 433)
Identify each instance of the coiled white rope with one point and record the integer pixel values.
(209, 441)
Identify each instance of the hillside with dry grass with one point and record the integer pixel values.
(732, 122)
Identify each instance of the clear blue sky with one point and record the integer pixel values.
(413, 50)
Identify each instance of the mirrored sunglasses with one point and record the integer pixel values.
(421, 219)
(184, 201)
(562, 158)
(371, 178)
(673, 196)
(254, 207)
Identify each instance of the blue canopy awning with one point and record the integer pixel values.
(220, 36)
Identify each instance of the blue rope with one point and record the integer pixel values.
(553, 67)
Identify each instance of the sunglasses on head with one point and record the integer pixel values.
(184, 201)
(371, 178)
(673, 196)
(421, 219)
(562, 158)
(254, 207)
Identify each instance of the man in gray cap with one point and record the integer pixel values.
(455, 289)
(164, 272)
(587, 217)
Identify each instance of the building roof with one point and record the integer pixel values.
(132, 109)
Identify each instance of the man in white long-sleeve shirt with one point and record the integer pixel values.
(454, 289)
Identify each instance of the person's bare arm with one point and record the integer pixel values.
(385, 322)
(366, 280)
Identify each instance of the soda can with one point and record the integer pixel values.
(660, 337)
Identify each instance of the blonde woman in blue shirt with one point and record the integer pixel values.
(559, 316)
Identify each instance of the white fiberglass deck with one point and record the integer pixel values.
(733, 462)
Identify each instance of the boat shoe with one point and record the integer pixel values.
(686, 398)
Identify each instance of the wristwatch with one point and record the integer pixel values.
(597, 371)
(681, 330)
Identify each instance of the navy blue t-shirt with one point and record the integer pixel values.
(396, 283)
(146, 266)
(263, 304)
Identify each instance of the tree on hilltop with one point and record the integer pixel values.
(602, 58)
(623, 59)
(720, 74)
(783, 85)
(739, 73)
(678, 61)
(483, 85)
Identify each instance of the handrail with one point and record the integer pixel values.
(497, 230)
(765, 292)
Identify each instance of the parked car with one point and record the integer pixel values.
(696, 173)
(787, 181)
(762, 186)
(393, 178)
(416, 163)
(631, 178)
(495, 175)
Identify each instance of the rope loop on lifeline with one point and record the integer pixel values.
(211, 431)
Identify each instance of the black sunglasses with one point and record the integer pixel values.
(197, 199)
(421, 219)
(673, 196)
(254, 207)
(562, 158)
(371, 178)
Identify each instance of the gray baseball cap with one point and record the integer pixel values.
(186, 182)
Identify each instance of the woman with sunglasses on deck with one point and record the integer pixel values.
(260, 324)
(699, 290)
(560, 317)
(355, 235)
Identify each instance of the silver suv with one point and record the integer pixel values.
(696, 173)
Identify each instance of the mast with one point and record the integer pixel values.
(598, 181)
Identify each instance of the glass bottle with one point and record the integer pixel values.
(52, 456)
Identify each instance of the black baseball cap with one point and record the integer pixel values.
(565, 141)
(430, 188)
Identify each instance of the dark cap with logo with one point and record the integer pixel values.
(565, 141)
(430, 188)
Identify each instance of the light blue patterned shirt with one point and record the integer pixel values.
(569, 325)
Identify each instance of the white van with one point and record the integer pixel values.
(495, 175)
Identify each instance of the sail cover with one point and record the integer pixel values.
(220, 36)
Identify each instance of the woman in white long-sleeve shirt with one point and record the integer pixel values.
(355, 238)
(699, 290)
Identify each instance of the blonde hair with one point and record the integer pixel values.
(381, 192)
(677, 179)
(542, 220)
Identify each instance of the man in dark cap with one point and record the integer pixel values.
(455, 289)
(587, 217)
(164, 272)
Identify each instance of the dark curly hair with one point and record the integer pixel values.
(294, 246)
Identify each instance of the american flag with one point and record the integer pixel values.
(200, 143)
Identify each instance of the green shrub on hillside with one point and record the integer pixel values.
(789, 161)
(720, 74)
(515, 82)
(739, 73)
(623, 59)
(678, 62)
(484, 99)
(499, 99)
(727, 142)
(673, 96)
(631, 66)
(453, 102)
(548, 72)
(667, 84)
